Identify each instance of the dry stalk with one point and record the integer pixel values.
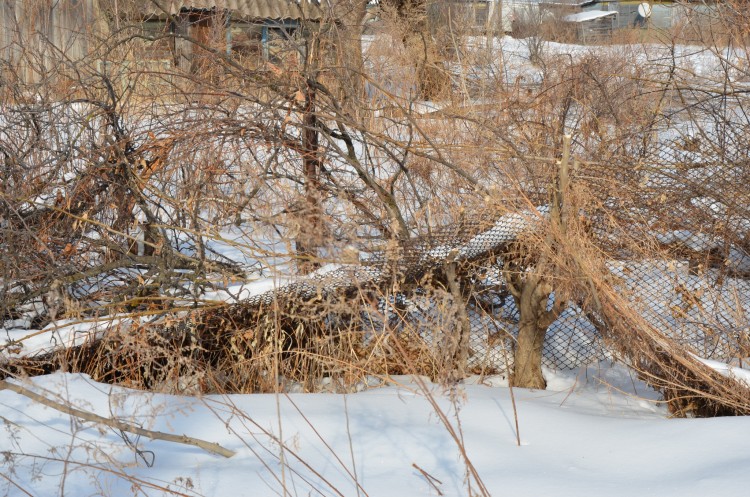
(116, 423)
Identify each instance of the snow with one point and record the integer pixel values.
(246, 290)
(68, 333)
(506, 229)
(598, 431)
(739, 374)
(694, 241)
(589, 15)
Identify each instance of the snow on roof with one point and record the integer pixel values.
(565, 3)
(589, 15)
(569, 3)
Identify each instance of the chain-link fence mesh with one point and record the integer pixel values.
(689, 277)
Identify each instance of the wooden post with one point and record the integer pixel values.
(228, 31)
(264, 41)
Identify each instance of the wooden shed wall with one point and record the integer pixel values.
(41, 37)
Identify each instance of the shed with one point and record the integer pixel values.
(592, 25)
(560, 8)
(519, 12)
(41, 38)
(239, 9)
(245, 27)
(663, 13)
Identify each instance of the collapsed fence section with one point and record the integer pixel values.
(352, 320)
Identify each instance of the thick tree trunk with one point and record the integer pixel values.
(347, 44)
(310, 234)
(527, 371)
(535, 318)
(529, 283)
(433, 82)
(531, 292)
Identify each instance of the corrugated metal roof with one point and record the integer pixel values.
(568, 3)
(245, 9)
(589, 15)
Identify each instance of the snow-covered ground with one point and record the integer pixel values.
(594, 432)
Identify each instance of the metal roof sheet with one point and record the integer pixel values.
(245, 9)
(567, 3)
(589, 15)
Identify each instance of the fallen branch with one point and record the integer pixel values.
(116, 423)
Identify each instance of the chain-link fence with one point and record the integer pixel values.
(688, 277)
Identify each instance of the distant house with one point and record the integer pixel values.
(516, 14)
(41, 37)
(465, 16)
(591, 25)
(245, 27)
(664, 14)
(561, 8)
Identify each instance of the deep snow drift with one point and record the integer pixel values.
(588, 434)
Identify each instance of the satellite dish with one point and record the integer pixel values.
(644, 10)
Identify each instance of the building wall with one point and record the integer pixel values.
(41, 37)
(662, 13)
(513, 10)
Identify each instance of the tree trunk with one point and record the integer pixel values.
(531, 301)
(433, 82)
(457, 345)
(527, 371)
(529, 283)
(347, 43)
(310, 233)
